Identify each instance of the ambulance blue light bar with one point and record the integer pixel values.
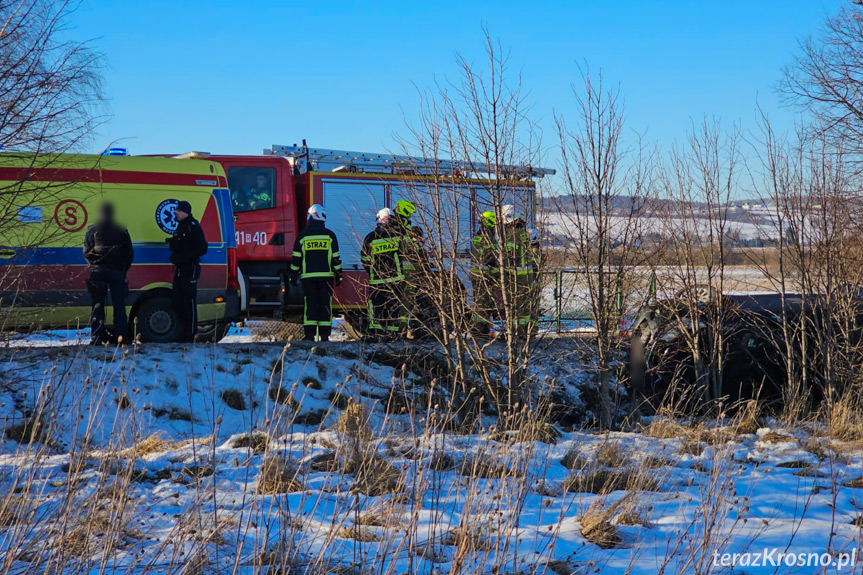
(116, 152)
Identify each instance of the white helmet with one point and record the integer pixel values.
(384, 215)
(509, 214)
(317, 212)
(534, 236)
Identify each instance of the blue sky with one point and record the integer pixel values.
(235, 77)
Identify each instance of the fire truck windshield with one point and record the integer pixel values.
(252, 188)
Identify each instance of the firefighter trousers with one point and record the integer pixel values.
(520, 295)
(484, 304)
(318, 308)
(99, 284)
(387, 315)
(184, 300)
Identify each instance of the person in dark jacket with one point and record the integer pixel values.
(187, 245)
(317, 263)
(108, 250)
(381, 259)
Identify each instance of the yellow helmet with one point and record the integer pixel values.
(405, 208)
(489, 219)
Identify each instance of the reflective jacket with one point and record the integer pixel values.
(381, 256)
(316, 252)
(484, 252)
(517, 252)
(411, 250)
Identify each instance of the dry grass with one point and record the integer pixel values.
(845, 419)
(354, 422)
(257, 442)
(597, 528)
(482, 468)
(15, 509)
(156, 443)
(31, 430)
(441, 462)
(773, 437)
(384, 514)
(654, 462)
(610, 454)
(748, 419)
(602, 481)
(361, 534)
(690, 447)
(375, 476)
(148, 446)
(664, 427)
(574, 459)
(278, 475)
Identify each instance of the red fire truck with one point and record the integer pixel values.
(271, 193)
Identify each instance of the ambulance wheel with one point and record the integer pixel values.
(157, 322)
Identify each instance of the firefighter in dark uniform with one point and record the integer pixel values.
(382, 261)
(187, 245)
(414, 262)
(318, 265)
(484, 273)
(108, 250)
(518, 270)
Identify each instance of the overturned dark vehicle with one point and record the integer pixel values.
(732, 348)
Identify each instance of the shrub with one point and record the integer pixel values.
(234, 399)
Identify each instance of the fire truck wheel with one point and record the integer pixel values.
(156, 321)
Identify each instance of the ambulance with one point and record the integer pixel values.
(47, 202)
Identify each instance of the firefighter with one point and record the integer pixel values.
(187, 245)
(108, 250)
(413, 259)
(382, 261)
(518, 271)
(484, 272)
(261, 195)
(318, 265)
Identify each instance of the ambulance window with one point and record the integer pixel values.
(252, 188)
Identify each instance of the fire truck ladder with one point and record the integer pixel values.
(325, 159)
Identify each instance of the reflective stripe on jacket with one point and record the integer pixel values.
(380, 255)
(316, 252)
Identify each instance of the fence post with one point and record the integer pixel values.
(558, 297)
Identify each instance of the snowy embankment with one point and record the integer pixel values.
(327, 459)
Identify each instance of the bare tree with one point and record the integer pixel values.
(826, 78)
(50, 87)
(609, 186)
(479, 119)
(700, 178)
(50, 102)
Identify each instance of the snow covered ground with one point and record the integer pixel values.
(243, 457)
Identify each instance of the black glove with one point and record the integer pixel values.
(338, 279)
(293, 278)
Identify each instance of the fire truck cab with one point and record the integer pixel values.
(271, 193)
